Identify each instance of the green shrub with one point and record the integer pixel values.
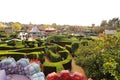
(13, 36)
(60, 48)
(53, 48)
(69, 48)
(15, 55)
(58, 65)
(29, 44)
(39, 42)
(11, 43)
(67, 63)
(63, 54)
(8, 48)
(75, 46)
(63, 43)
(41, 57)
(28, 50)
(4, 39)
(32, 55)
(54, 57)
(84, 42)
(55, 38)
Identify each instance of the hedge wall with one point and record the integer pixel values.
(8, 48)
(53, 57)
(61, 65)
(63, 43)
(63, 54)
(69, 48)
(15, 55)
(28, 50)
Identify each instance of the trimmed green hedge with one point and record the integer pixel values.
(57, 65)
(8, 48)
(28, 50)
(53, 57)
(75, 46)
(63, 43)
(69, 48)
(15, 55)
(64, 54)
(33, 55)
(29, 44)
(84, 42)
(49, 69)
(41, 56)
(11, 43)
(61, 65)
(39, 42)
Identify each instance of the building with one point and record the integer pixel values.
(35, 32)
(50, 30)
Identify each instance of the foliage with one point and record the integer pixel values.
(64, 54)
(13, 35)
(2, 26)
(84, 42)
(101, 58)
(41, 57)
(11, 43)
(28, 50)
(16, 26)
(12, 54)
(39, 42)
(111, 24)
(53, 56)
(56, 38)
(29, 44)
(75, 46)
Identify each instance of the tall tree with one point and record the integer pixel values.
(114, 23)
(16, 26)
(2, 26)
(104, 23)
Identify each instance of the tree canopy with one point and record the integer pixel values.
(101, 58)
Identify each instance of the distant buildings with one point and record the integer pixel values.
(35, 32)
(50, 30)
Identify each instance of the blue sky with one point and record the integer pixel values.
(73, 12)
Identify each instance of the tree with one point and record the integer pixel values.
(104, 23)
(113, 23)
(16, 26)
(101, 59)
(2, 27)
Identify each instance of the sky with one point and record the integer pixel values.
(72, 12)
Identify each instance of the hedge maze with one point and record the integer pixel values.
(59, 54)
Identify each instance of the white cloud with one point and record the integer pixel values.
(81, 12)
